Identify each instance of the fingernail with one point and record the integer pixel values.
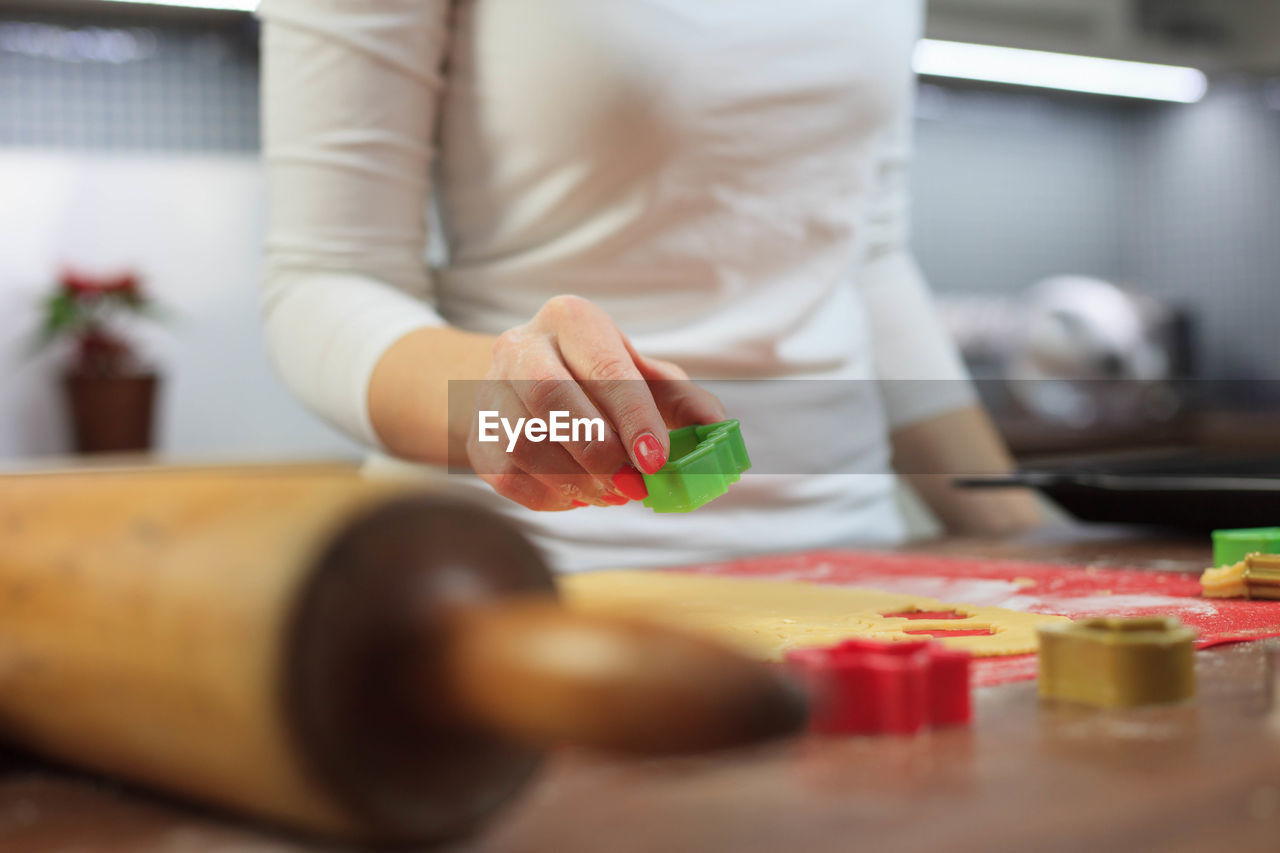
(614, 500)
(648, 453)
(579, 504)
(630, 483)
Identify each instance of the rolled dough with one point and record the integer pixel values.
(766, 618)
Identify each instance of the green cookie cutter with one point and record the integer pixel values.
(705, 461)
(1232, 546)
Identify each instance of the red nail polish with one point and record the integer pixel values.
(614, 500)
(648, 453)
(579, 504)
(630, 483)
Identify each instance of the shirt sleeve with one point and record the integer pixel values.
(919, 368)
(350, 93)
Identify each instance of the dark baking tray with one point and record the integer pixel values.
(1192, 492)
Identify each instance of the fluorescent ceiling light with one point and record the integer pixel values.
(1060, 71)
(231, 5)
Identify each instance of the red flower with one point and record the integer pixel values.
(86, 309)
(126, 284)
(79, 284)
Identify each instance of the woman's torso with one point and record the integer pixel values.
(703, 170)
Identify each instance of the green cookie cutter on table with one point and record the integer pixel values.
(705, 461)
(1232, 546)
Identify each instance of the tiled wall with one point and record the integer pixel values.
(1179, 201)
(1209, 180)
(1011, 188)
(118, 84)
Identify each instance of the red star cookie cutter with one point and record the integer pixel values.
(872, 687)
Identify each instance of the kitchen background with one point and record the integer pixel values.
(128, 139)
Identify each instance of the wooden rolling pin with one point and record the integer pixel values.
(350, 659)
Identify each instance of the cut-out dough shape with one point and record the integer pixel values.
(766, 618)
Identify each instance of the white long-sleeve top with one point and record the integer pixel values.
(726, 178)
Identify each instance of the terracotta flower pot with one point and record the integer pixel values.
(111, 414)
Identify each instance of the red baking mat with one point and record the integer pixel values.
(1029, 587)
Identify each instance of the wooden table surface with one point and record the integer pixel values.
(1204, 776)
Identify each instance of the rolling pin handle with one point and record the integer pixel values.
(540, 675)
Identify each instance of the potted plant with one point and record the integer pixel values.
(110, 392)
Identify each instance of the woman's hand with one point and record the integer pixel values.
(571, 357)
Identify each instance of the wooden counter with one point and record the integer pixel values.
(1024, 777)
